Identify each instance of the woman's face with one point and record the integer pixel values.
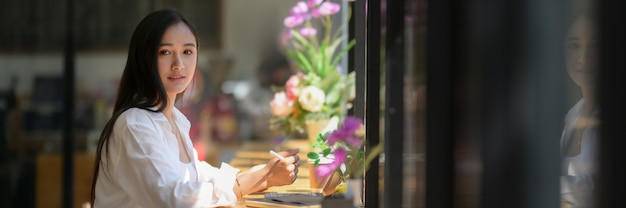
(177, 58)
(581, 53)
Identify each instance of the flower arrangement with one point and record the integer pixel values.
(320, 90)
(347, 145)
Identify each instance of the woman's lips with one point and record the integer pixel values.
(176, 78)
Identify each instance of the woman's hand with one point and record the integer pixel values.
(276, 172)
(285, 171)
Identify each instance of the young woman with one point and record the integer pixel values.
(145, 157)
(579, 141)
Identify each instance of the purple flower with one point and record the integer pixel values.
(312, 3)
(292, 21)
(299, 8)
(315, 13)
(325, 170)
(346, 131)
(308, 32)
(329, 8)
(354, 141)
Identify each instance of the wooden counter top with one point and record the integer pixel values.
(253, 153)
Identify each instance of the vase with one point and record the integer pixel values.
(326, 185)
(354, 190)
(321, 126)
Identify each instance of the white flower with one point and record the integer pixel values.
(312, 98)
(280, 105)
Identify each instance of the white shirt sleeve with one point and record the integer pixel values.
(578, 173)
(147, 171)
(577, 190)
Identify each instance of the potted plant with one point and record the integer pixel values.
(321, 90)
(351, 155)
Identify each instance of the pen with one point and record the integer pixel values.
(277, 155)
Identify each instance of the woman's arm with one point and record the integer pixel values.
(275, 173)
(577, 190)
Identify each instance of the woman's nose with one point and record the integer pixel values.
(178, 63)
(586, 55)
(580, 56)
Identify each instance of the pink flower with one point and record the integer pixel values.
(292, 87)
(308, 32)
(294, 80)
(312, 3)
(280, 105)
(299, 8)
(292, 92)
(315, 13)
(325, 170)
(292, 21)
(329, 8)
(346, 132)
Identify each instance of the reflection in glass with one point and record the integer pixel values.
(580, 137)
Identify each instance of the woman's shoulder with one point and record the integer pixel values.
(139, 115)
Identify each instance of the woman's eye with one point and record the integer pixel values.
(188, 52)
(164, 52)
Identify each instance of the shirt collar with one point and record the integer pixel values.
(179, 116)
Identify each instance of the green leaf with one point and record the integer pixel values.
(334, 94)
(306, 44)
(330, 80)
(312, 155)
(304, 62)
(333, 46)
(321, 60)
(301, 39)
(316, 163)
(342, 52)
(325, 152)
(320, 137)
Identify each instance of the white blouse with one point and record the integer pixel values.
(142, 167)
(578, 172)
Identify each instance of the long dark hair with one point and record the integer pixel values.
(140, 85)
